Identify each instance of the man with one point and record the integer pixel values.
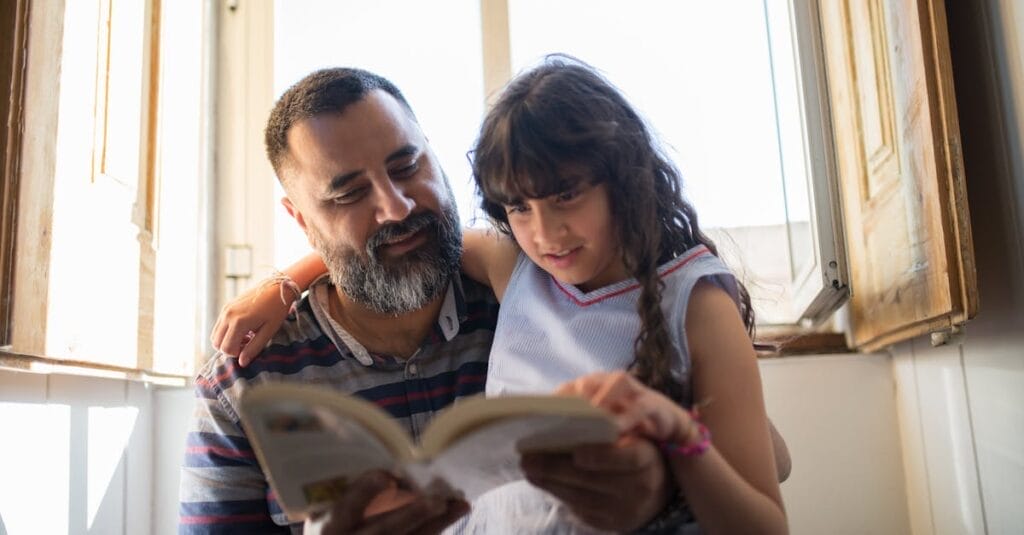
(395, 323)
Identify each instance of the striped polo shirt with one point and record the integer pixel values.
(223, 488)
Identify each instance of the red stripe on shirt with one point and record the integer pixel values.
(226, 452)
(686, 260)
(439, 391)
(222, 519)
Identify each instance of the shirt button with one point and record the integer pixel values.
(412, 369)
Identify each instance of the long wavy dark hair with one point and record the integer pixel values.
(564, 115)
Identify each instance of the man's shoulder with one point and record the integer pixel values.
(298, 344)
(477, 299)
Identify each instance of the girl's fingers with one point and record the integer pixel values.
(615, 390)
(217, 335)
(568, 388)
(585, 386)
(261, 337)
(233, 338)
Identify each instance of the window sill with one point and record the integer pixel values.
(791, 341)
(46, 365)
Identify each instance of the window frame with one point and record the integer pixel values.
(29, 180)
(14, 18)
(819, 296)
(244, 33)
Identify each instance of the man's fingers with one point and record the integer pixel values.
(347, 512)
(597, 509)
(628, 454)
(410, 518)
(456, 509)
(549, 471)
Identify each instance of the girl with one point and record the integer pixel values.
(608, 271)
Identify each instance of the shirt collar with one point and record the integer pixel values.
(448, 320)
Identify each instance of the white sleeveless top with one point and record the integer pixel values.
(549, 333)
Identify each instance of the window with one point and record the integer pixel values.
(758, 89)
(733, 120)
(120, 255)
(746, 97)
(108, 235)
(14, 29)
(902, 180)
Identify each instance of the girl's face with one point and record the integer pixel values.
(570, 235)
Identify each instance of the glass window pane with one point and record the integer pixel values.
(430, 50)
(701, 73)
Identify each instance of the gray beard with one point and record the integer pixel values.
(399, 285)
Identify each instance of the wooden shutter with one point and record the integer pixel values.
(14, 29)
(902, 178)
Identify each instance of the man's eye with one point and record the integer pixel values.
(348, 197)
(405, 170)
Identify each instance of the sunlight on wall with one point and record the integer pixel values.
(95, 247)
(34, 461)
(108, 431)
(178, 239)
(63, 467)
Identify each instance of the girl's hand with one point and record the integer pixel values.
(637, 408)
(245, 325)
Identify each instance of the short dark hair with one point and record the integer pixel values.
(320, 92)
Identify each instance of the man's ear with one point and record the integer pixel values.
(294, 212)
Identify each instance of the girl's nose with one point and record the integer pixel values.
(548, 228)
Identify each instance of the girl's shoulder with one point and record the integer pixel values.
(489, 257)
(682, 273)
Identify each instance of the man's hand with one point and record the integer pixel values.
(620, 487)
(407, 512)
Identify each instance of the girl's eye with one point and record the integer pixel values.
(567, 196)
(516, 208)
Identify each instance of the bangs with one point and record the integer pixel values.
(532, 159)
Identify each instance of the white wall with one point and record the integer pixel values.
(75, 455)
(838, 416)
(87, 455)
(962, 405)
(172, 407)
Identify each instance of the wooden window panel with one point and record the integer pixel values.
(14, 28)
(902, 179)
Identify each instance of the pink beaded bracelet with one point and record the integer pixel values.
(690, 450)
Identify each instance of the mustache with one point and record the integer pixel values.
(388, 232)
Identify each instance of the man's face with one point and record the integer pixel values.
(370, 195)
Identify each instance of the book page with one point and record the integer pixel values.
(488, 456)
(311, 453)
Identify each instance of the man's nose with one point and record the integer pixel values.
(393, 203)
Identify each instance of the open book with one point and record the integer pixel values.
(313, 441)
